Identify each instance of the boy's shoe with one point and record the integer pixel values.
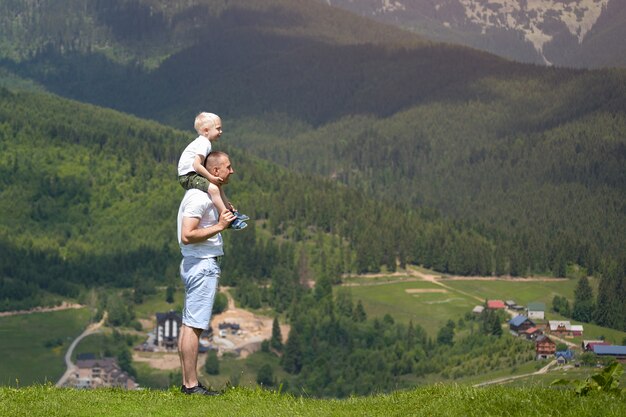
(197, 390)
(241, 216)
(238, 224)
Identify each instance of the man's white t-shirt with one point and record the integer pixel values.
(200, 146)
(197, 204)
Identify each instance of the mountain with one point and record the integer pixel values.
(477, 164)
(575, 33)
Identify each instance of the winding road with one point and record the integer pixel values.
(70, 366)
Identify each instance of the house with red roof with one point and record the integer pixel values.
(496, 305)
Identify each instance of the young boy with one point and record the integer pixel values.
(193, 174)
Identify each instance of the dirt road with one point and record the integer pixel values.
(70, 366)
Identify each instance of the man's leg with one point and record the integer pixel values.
(188, 342)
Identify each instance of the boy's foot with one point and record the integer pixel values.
(241, 216)
(197, 390)
(238, 224)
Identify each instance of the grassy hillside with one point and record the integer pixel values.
(33, 345)
(439, 400)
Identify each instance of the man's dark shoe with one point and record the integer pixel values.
(197, 390)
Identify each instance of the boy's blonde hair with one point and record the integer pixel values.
(203, 120)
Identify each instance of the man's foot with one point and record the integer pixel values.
(238, 224)
(198, 390)
(241, 216)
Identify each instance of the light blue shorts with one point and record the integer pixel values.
(200, 277)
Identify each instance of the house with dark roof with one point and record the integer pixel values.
(168, 328)
(544, 347)
(618, 352)
(587, 345)
(96, 373)
(520, 323)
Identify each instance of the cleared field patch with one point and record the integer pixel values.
(425, 290)
(520, 290)
(32, 346)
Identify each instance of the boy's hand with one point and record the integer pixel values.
(226, 218)
(216, 180)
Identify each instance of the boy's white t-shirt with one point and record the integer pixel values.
(200, 146)
(197, 204)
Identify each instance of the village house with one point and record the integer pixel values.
(587, 345)
(544, 347)
(564, 356)
(512, 305)
(565, 328)
(167, 330)
(536, 310)
(495, 304)
(518, 325)
(478, 310)
(97, 373)
(618, 352)
(531, 333)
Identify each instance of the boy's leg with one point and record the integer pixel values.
(194, 180)
(216, 196)
(240, 216)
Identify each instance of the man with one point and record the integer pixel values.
(200, 241)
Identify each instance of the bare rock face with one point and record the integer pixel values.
(559, 32)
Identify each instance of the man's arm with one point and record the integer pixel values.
(191, 233)
(200, 169)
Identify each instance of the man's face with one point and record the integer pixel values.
(225, 169)
(214, 131)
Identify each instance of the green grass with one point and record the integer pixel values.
(436, 400)
(24, 356)
(155, 303)
(243, 372)
(429, 310)
(433, 310)
(520, 290)
(544, 380)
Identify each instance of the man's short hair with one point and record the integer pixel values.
(214, 158)
(203, 120)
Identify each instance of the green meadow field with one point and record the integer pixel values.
(32, 346)
(431, 305)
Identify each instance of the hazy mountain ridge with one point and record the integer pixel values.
(551, 32)
(148, 31)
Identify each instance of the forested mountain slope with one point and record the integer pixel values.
(89, 197)
(519, 168)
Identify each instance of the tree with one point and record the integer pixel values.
(276, 342)
(212, 364)
(445, 336)
(169, 294)
(583, 301)
(359, 314)
(292, 359)
(220, 303)
(265, 375)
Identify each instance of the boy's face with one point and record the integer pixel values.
(214, 130)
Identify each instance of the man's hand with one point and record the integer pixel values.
(226, 218)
